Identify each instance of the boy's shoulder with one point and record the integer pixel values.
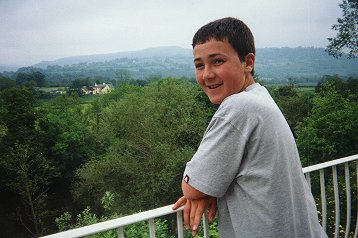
(254, 101)
(253, 95)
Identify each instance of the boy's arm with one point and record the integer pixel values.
(191, 192)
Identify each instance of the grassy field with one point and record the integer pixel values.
(301, 87)
(84, 100)
(48, 89)
(307, 89)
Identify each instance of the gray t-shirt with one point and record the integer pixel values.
(248, 159)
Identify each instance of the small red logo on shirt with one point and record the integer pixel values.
(186, 178)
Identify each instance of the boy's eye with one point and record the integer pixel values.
(218, 61)
(199, 66)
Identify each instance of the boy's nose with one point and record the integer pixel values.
(208, 74)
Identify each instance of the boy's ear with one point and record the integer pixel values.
(249, 62)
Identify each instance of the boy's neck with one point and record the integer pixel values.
(249, 81)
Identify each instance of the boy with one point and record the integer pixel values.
(247, 163)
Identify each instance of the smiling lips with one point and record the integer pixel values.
(215, 85)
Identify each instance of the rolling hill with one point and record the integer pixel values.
(304, 64)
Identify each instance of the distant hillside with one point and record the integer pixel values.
(272, 65)
(302, 63)
(7, 67)
(167, 51)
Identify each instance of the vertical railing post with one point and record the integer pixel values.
(323, 198)
(348, 197)
(308, 178)
(336, 201)
(356, 230)
(120, 232)
(180, 224)
(206, 225)
(151, 228)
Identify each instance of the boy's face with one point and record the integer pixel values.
(219, 71)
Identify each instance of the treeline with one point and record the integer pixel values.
(114, 70)
(33, 78)
(129, 147)
(305, 65)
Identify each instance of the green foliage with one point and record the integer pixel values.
(71, 135)
(27, 169)
(213, 231)
(31, 174)
(136, 141)
(151, 133)
(346, 88)
(87, 217)
(30, 79)
(294, 104)
(107, 200)
(6, 82)
(3, 131)
(331, 130)
(17, 107)
(64, 221)
(346, 28)
(76, 86)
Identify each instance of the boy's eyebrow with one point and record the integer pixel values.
(210, 56)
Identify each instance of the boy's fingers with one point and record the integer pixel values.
(186, 215)
(212, 211)
(198, 215)
(181, 201)
(192, 214)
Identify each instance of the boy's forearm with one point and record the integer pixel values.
(191, 192)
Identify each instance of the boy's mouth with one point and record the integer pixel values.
(215, 85)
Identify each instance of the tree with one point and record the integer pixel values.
(294, 104)
(6, 82)
(26, 171)
(346, 39)
(346, 88)
(77, 85)
(151, 133)
(29, 174)
(39, 79)
(123, 75)
(73, 142)
(17, 107)
(331, 130)
(30, 79)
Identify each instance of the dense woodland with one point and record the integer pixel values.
(108, 155)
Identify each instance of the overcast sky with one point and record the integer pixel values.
(35, 30)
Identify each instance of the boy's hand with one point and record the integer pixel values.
(197, 209)
(194, 210)
(187, 208)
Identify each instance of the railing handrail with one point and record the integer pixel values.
(115, 223)
(327, 164)
(162, 211)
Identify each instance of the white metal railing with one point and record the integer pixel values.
(149, 216)
(323, 169)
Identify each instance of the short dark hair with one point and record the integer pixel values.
(235, 31)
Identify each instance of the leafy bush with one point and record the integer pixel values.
(87, 217)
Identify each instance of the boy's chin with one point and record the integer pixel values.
(215, 101)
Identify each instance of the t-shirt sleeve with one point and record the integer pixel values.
(216, 163)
